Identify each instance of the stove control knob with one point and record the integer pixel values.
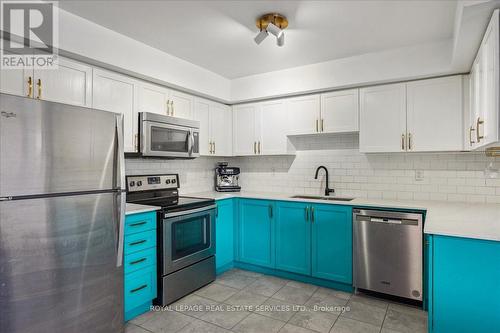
(132, 183)
(167, 181)
(174, 181)
(139, 183)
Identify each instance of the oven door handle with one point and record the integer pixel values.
(191, 211)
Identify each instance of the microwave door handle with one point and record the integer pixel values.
(190, 142)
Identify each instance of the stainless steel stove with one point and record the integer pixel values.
(186, 234)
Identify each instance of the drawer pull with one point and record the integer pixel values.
(139, 288)
(138, 242)
(137, 224)
(135, 262)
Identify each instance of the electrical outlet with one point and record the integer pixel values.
(419, 175)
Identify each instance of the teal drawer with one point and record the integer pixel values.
(140, 241)
(139, 260)
(140, 287)
(140, 222)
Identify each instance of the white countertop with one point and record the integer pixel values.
(470, 220)
(136, 209)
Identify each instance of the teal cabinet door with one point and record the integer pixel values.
(224, 232)
(255, 232)
(293, 237)
(465, 287)
(332, 242)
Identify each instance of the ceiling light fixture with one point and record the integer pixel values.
(273, 24)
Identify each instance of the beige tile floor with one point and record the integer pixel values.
(247, 302)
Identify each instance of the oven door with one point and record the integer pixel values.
(188, 237)
(167, 140)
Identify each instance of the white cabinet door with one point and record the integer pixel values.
(244, 130)
(487, 122)
(202, 114)
(340, 111)
(221, 131)
(435, 114)
(70, 83)
(303, 114)
(382, 123)
(273, 128)
(152, 98)
(116, 93)
(181, 105)
(15, 81)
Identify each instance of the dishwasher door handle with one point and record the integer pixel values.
(388, 221)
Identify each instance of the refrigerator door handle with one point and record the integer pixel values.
(121, 185)
(121, 152)
(121, 227)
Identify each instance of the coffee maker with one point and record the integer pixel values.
(226, 178)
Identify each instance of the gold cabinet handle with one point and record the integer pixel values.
(255, 147)
(258, 148)
(168, 107)
(214, 147)
(317, 127)
(471, 136)
(312, 214)
(39, 84)
(30, 87)
(322, 125)
(403, 141)
(409, 142)
(478, 123)
(209, 147)
(136, 142)
(307, 213)
(173, 107)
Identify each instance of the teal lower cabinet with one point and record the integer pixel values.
(139, 263)
(312, 242)
(224, 235)
(332, 243)
(293, 237)
(464, 284)
(256, 232)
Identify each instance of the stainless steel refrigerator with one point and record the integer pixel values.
(61, 218)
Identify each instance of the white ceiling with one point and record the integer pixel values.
(218, 35)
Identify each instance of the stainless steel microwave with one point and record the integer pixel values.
(169, 137)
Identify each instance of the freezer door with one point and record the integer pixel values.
(49, 147)
(58, 265)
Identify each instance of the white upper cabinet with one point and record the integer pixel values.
(180, 105)
(382, 118)
(435, 114)
(70, 83)
(16, 81)
(303, 114)
(419, 116)
(273, 128)
(117, 93)
(216, 122)
(202, 114)
(244, 129)
(152, 98)
(221, 129)
(340, 111)
(483, 120)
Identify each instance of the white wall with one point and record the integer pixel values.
(87, 41)
(394, 65)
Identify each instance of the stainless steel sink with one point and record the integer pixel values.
(314, 197)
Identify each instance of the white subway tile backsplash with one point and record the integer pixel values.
(447, 176)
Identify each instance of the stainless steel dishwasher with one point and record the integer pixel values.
(387, 249)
